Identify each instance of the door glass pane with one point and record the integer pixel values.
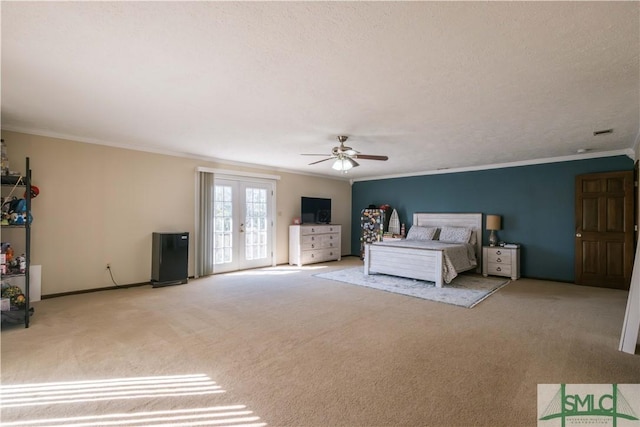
(255, 221)
(222, 224)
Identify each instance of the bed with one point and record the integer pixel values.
(431, 260)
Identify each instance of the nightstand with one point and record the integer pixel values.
(501, 261)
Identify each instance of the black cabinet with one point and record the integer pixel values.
(170, 259)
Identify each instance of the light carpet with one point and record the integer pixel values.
(464, 291)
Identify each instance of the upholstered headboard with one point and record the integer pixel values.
(469, 220)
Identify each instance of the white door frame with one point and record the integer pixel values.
(238, 176)
(239, 229)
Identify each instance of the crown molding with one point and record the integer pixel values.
(630, 152)
(592, 155)
(154, 150)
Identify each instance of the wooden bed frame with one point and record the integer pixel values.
(421, 264)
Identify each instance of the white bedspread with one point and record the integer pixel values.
(457, 257)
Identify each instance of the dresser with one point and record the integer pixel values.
(500, 261)
(314, 243)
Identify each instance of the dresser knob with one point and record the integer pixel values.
(498, 269)
(498, 253)
(498, 260)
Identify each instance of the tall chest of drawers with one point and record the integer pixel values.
(500, 261)
(314, 243)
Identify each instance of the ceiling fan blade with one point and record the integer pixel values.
(369, 157)
(313, 154)
(323, 160)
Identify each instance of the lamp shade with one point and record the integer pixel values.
(493, 222)
(344, 164)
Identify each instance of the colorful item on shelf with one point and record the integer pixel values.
(8, 253)
(34, 192)
(15, 295)
(14, 211)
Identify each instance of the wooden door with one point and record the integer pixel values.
(605, 229)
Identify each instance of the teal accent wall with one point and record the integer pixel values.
(537, 205)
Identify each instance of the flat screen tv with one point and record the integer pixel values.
(315, 210)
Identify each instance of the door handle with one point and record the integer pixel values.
(578, 234)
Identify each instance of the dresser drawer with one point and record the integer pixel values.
(309, 257)
(320, 241)
(499, 256)
(319, 229)
(498, 269)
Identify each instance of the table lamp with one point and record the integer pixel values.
(493, 224)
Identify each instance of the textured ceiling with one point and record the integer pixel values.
(432, 85)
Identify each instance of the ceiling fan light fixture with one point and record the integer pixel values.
(344, 156)
(344, 164)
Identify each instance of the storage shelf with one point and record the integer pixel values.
(13, 180)
(16, 316)
(9, 275)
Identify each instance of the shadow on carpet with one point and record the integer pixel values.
(463, 291)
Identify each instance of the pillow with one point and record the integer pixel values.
(455, 234)
(421, 233)
(473, 239)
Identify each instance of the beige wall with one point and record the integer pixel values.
(100, 204)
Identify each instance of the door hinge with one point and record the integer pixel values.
(635, 183)
(635, 228)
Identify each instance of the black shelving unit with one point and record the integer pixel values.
(24, 181)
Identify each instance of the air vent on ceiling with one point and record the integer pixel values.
(602, 132)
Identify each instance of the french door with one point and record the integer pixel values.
(242, 225)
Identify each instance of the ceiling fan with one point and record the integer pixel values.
(344, 156)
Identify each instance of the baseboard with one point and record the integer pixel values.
(108, 288)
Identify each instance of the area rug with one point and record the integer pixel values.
(465, 290)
